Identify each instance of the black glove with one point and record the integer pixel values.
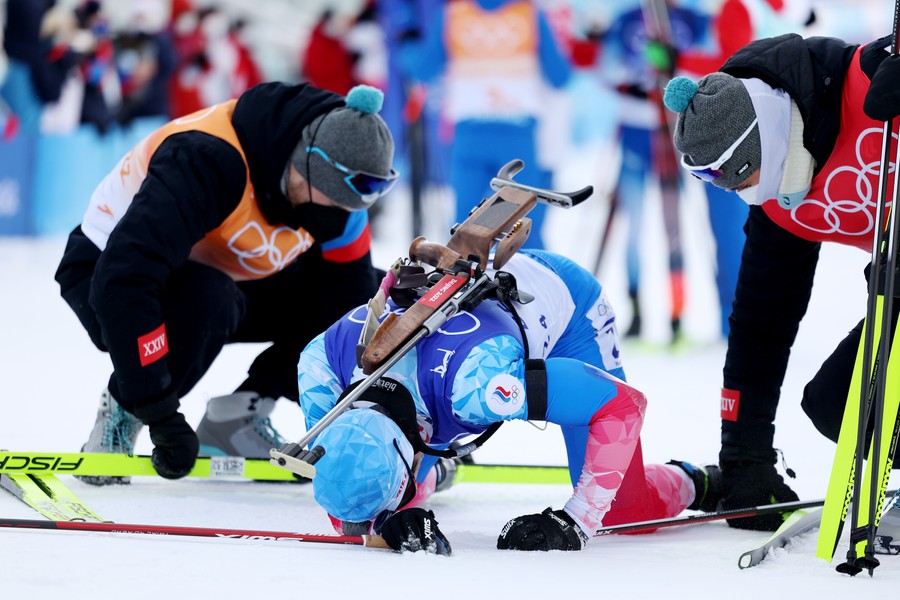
(550, 530)
(415, 529)
(883, 98)
(175, 446)
(748, 484)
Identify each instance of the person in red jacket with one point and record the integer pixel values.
(243, 222)
(783, 124)
(326, 62)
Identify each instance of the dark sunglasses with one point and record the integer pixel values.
(368, 186)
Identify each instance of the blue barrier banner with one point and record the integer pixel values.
(69, 167)
(16, 190)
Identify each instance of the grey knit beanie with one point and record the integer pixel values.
(712, 114)
(354, 136)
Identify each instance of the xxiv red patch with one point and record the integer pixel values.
(153, 346)
(731, 401)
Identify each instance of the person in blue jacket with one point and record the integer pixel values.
(494, 74)
(554, 359)
(632, 61)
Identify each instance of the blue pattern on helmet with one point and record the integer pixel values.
(361, 473)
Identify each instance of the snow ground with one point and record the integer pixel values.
(51, 377)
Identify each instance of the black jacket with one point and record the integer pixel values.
(194, 181)
(777, 267)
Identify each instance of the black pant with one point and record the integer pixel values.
(825, 396)
(204, 309)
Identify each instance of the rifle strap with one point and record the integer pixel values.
(535, 373)
(536, 388)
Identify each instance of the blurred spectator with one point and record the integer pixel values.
(102, 91)
(326, 62)
(497, 56)
(190, 52)
(346, 48)
(9, 122)
(633, 69)
(246, 72)
(145, 58)
(42, 48)
(213, 65)
(367, 44)
(220, 58)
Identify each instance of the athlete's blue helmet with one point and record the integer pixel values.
(365, 469)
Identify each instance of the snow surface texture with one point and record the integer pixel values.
(52, 377)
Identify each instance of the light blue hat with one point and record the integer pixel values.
(362, 472)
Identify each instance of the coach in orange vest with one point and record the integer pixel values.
(242, 222)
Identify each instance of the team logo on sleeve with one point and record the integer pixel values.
(153, 346)
(730, 403)
(505, 395)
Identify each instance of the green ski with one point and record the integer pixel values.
(236, 467)
(49, 496)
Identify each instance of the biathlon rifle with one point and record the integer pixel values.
(458, 282)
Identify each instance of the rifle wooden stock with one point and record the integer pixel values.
(437, 255)
(511, 242)
(396, 331)
(498, 216)
(501, 219)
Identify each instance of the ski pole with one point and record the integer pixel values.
(872, 395)
(735, 513)
(369, 541)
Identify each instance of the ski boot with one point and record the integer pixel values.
(115, 432)
(707, 485)
(238, 425)
(887, 537)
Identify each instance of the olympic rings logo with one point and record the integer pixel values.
(836, 211)
(270, 254)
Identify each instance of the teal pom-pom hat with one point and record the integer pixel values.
(712, 114)
(366, 99)
(348, 152)
(679, 93)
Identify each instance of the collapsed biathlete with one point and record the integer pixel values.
(472, 373)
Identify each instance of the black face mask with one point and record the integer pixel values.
(322, 222)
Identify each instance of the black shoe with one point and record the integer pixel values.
(634, 330)
(707, 484)
(446, 473)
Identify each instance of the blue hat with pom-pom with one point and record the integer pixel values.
(355, 137)
(712, 114)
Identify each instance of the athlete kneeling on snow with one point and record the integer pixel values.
(476, 371)
(243, 222)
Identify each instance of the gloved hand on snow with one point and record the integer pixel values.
(549, 530)
(751, 483)
(175, 446)
(415, 529)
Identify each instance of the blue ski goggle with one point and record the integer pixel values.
(368, 186)
(713, 171)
